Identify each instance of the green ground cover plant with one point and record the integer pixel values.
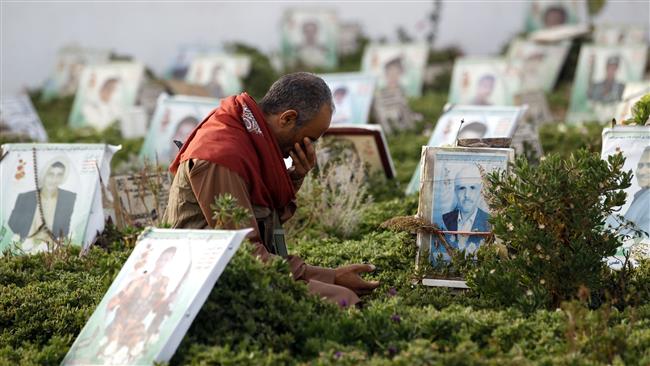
(257, 315)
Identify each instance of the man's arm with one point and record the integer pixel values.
(209, 180)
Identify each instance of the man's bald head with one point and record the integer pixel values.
(467, 187)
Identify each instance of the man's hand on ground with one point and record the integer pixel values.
(349, 276)
(303, 159)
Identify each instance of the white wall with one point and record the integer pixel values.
(31, 33)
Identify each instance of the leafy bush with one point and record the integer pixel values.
(551, 220)
(640, 111)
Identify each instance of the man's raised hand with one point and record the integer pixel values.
(303, 159)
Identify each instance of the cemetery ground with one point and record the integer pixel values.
(258, 315)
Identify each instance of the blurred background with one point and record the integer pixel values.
(33, 32)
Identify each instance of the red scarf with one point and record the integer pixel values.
(236, 136)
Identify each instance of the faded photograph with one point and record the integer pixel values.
(19, 118)
(70, 63)
(399, 68)
(174, 119)
(352, 95)
(310, 38)
(548, 14)
(105, 93)
(482, 82)
(221, 75)
(600, 79)
(154, 298)
(537, 65)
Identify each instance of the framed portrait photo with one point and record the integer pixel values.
(600, 79)
(544, 14)
(221, 75)
(352, 94)
(152, 302)
(69, 66)
(479, 122)
(483, 81)
(366, 142)
(396, 67)
(51, 193)
(537, 65)
(140, 199)
(175, 118)
(185, 54)
(634, 143)
(105, 93)
(19, 120)
(310, 38)
(452, 198)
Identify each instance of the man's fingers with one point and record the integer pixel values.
(295, 159)
(301, 155)
(362, 268)
(311, 152)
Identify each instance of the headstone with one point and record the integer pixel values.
(397, 66)
(600, 79)
(140, 199)
(152, 302)
(483, 81)
(478, 122)
(52, 193)
(105, 93)
(352, 95)
(452, 199)
(174, 119)
(221, 75)
(18, 119)
(310, 38)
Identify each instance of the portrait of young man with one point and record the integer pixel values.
(57, 207)
(239, 149)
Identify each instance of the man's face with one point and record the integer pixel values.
(393, 75)
(485, 88)
(54, 178)
(612, 68)
(643, 170)
(554, 17)
(163, 260)
(310, 31)
(287, 134)
(106, 93)
(468, 192)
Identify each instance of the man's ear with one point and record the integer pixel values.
(288, 118)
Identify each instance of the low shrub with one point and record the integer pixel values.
(551, 220)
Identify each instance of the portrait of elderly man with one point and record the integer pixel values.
(639, 210)
(57, 204)
(466, 214)
(609, 90)
(239, 150)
